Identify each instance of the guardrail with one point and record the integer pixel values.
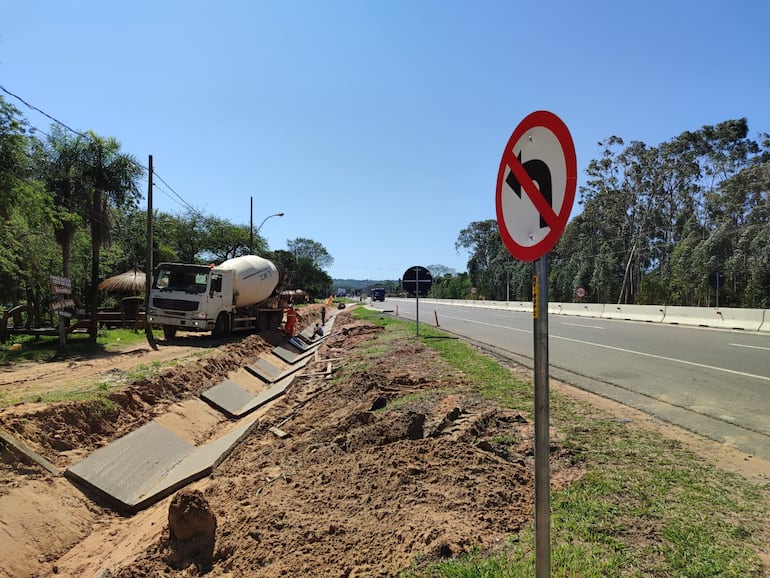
(722, 317)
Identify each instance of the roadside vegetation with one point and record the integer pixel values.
(23, 350)
(20, 348)
(646, 505)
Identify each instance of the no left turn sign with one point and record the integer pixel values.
(535, 185)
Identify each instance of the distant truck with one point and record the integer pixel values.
(378, 294)
(237, 295)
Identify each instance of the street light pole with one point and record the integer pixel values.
(251, 225)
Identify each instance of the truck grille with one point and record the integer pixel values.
(174, 304)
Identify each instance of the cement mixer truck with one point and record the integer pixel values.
(238, 295)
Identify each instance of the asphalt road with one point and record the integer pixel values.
(713, 382)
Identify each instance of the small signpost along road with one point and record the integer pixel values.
(417, 280)
(535, 190)
(61, 286)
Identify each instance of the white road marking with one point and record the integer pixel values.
(749, 346)
(622, 350)
(581, 325)
(664, 358)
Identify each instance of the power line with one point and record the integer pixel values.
(177, 195)
(33, 107)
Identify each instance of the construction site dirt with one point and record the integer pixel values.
(349, 473)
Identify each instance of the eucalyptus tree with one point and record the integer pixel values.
(742, 206)
(641, 203)
(483, 242)
(736, 197)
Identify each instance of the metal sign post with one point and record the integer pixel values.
(415, 280)
(542, 417)
(417, 302)
(536, 184)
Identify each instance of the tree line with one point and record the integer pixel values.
(69, 206)
(657, 224)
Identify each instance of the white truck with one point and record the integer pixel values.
(239, 294)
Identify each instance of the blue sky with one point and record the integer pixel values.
(376, 126)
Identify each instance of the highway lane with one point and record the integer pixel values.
(713, 382)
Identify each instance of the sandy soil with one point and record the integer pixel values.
(347, 492)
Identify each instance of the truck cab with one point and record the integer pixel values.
(189, 297)
(378, 294)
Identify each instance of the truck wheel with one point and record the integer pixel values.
(222, 326)
(169, 332)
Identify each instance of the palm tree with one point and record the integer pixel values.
(111, 180)
(64, 178)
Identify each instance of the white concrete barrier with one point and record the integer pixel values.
(576, 309)
(650, 313)
(724, 317)
(765, 327)
(700, 316)
(521, 306)
(733, 318)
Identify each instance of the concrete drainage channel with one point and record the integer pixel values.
(153, 462)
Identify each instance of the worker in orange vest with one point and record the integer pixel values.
(291, 320)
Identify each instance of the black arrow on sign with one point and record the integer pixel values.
(539, 173)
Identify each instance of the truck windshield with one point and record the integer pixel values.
(180, 278)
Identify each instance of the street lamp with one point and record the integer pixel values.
(251, 223)
(266, 218)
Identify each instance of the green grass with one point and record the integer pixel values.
(646, 506)
(97, 391)
(47, 348)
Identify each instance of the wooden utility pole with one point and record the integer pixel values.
(149, 265)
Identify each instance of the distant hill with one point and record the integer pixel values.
(356, 284)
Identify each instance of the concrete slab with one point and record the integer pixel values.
(246, 380)
(271, 373)
(128, 468)
(307, 335)
(19, 446)
(236, 402)
(228, 397)
(151, 463)
(261, 399)
(291, 354)
(197, 464)
(268, 371)
(194, 420)
(303, 345)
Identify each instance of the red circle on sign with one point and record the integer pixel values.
(580, 292)
(555, 221)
